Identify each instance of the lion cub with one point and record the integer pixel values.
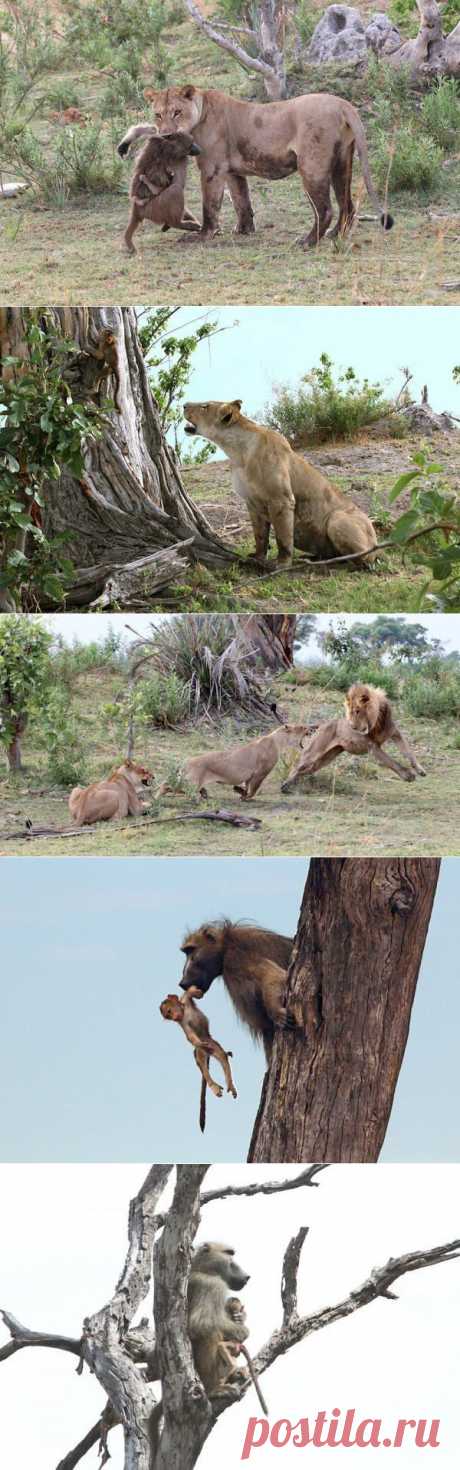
(283, 490)
(115, 796)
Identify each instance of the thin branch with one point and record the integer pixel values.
(273, 1186)
(24, 1337)
(333, 561)
(290, 1273)
(250, 63)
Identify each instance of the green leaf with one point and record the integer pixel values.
(403, 527)
(401, 484)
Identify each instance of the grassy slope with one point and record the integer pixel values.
(366, 470)
(352, 808)
(76, 250)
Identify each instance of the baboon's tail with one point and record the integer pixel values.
(203, 1106)
(356, 125)
(134, 135)
(255, 1379)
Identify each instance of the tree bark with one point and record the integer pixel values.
(273, 634)
(14, 753)
(354, 971)
(131, 503)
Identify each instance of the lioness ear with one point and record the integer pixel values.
(237, 402)
(150, 95)
(188, 91)
(231, 411)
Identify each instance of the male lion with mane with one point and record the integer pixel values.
(115, 796)
(367, 725)
(315, 134)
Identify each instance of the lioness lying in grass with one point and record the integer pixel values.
(115, 796)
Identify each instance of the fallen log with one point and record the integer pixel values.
(233, 819)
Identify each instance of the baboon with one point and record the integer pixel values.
(237, 1312)
(87, 370)
(158, 183)
(253, 964)
(213, 1274)
(195, 1026)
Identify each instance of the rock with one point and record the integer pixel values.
(8, 191)
(339, 34)
(381, 35)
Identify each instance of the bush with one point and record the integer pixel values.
(63, 94)
(61, 736)
(433, 699)
(368, 671)
(440, 113)
(161, 700)
(404, 14)
(406, 160)
(328, 404)
(77, 162)
(211, 661)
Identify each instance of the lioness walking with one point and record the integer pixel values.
(367, 725)
(282, 490)
(242, 766)
(316, 134)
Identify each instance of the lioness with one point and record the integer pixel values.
(367, 725)
(315, 134)
(158, 182)
(242, 766)
(281, 489)
(116, 796)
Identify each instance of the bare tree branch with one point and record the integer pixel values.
(24, 1337)
(274, 1186)
(290, 1273)
(250, 63)
(184, 1398)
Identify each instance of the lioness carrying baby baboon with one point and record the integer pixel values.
(158, 183)
(281, 489)
(315, 134)
(367, 725)
(242, 766)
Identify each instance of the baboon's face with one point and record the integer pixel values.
(358, 705)
(176, 146)
(171, 1008)
(212, 420)
(219, 1260)
(176, 109)
(203, 958)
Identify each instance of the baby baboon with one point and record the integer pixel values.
(158, 183)
(237, 1312)
(253, 964)
(195, 1026)
(87, 370)
(213, 1273)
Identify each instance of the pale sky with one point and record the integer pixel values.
(62, 1244)
(269, 346)
(93, 628)
(89, 1070)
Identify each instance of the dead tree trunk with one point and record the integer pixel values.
(273, 635)
(129, 515)
(263, 27)
(354, 972)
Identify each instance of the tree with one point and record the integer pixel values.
(126, 1360)
(24, 673)
(354, 971)
(431, 51)
(262, 26)
(128, 523)
(404, 640)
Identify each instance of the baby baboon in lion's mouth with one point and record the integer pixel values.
(195, 1026)
(253, 964)
(158, 183)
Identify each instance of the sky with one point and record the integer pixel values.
(89, 1070)
(265, 347)
(62, 1245)
(92, 628)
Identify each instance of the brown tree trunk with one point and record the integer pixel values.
(354, 972)
(273, 635)
(14, 749)
(129, 514)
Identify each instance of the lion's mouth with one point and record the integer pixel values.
(191, 429)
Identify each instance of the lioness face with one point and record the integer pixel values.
(140, 775)
(212, 420)
(358, 707)
(176, 109)
(296, 734)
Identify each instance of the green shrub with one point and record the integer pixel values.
(405, 15)
(440, 113)
(78, 161)
(161, 700)
(60, 734)
(434, 699)
(368, 671)
(211, 661)
(328, 404)
(63, 94)
(406, 160)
